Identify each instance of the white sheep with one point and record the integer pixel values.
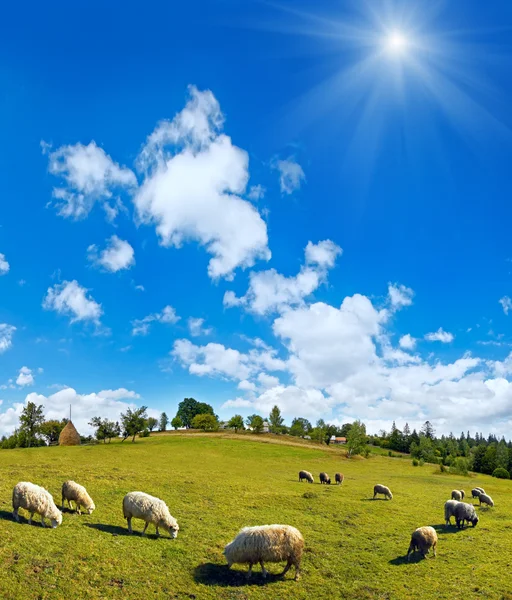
(485, 499)
(76, 492)
(35, 499)
(458, 495)
(307, 476)
(382, 489)
(465, 512)
(151, 510)
(449, 511)
(267, 543)
(423, 539)
(477, 491)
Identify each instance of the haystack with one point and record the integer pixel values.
(69, 436)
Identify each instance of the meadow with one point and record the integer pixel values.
(216, 484)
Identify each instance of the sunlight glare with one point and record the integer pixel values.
(396, 43)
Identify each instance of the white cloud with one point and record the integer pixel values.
(194, 180)
(399, 296)
(256, 192)
(267, 381)
(70, 298)
(116, 256)
(140, 288)
(25, 377)
(89, 175)
(291, 175)
(247, 386)
(440, 336)
(167, 315)
(4, 265)
(6, 333)
(270, 291)
(407, 342)
(505, 302)
(195, 326)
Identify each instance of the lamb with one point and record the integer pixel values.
(423, 539)
(35, 499)
(339, 477)
(477, 491)
(324, 478)
(382, 489)
(270, 543)
(77, 493)
(465, 512)
(307, 476)
(151, 510)
(449, 511)
(458, 495)
(486, 500)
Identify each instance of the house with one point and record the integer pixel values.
(266, 427)
(338, 440)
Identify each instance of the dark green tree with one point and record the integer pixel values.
(176, 423)
(133, 422)
(276, 420)
(236, 422)
(189, 408)
(31, 419)
(163, 422)
(255, 422)
(356, 438)
(51, 429)
(300, 427)
(206, 422)
(151, 423)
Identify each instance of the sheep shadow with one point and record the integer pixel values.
(374, 500)
(442, 529)
(112, 529)
(7, 516)
(400, 561)
(222, 575)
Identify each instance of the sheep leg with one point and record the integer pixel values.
(78, 508)
(264, 571)
(297, 571)
(249, 572)
(30, 518)
(129, 521)
(145, 527)
(15, 515)
(157, 532)
(434, 548)
(42, 522)
(62, 503)
(287, 568)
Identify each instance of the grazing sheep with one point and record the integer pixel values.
(485, 499)
(270, 543)
(339, 477)
(423, 539)
(151, 510)
(77, 493)
(457, 495)
(449, 511)
(324, 478)
(382, 489)
(307, 476)
(477, 491)
(462, 493)
(465, 512)
(35, 499)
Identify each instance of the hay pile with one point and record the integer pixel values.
(69, 436)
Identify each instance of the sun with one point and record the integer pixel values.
(396, 42)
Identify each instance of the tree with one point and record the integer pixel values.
(236, 422)
(31, 419)
(105, 429)
(300, 427)
(151, 423)
(163, 422)
(345, 428)
(176, 422)
(51, 429)
(133, 422)
(329, 431)
(502, 455)
(276, 420)
(255, 422)
(356, 438)
(205, 422)
(189, 408)
(428, 430)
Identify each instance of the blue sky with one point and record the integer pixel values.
(258, 204)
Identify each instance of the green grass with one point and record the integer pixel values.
(214, 485)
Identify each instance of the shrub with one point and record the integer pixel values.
(501, 473)
(460, 466)
(422, 462)
(442, 468)
(309, 495)
(415, 462)
(390, 453)
(144, 433)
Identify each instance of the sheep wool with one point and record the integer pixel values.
(449, 510)
(307, 476)
(382, 489)
(338, 478)
(456, 495)
(324, 478)
(485, 499)
(423, 539)
(267, 543)
(72, 491)
(35, 499)
(475, 492)
(465, 512)
(140, 505)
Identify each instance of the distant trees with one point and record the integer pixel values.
(300, 427)
(189, 408)
(50, 430)
(31, 419)
(151, 423)
(356, 438)
(176, 423)
(206, 422)
(236, 422)
(105, 429)
(255, 422)
(276, 420)
(133, 422)
(163, 422)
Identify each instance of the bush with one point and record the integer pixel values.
(390, 453)
(501, 473)
(442, 468)
(422, 462)
(144, 433)
(415, 462)
(460, 466)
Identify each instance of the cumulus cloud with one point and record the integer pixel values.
(4, 265)
(269, 291)
(194, 179)
(167, 315)
(69, 298)
(116, 256)
(25, 377)
(506, 302)
(89, 175)
(195, 326)
(291, 175)
(256, 192)
(407, 342)
(440, 336)
(399, 296)
(6, 333)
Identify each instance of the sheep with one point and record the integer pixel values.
(477, 491)
(339, 477)
(324, 478)
(77, 493)
(449, 511)
(35, 499)
(423, 539)
(307, 476)
(465, 512)
(151, 510)
(270, 543)
(382, 489)
(486, 500)
(458, 495)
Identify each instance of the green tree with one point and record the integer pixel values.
(163, 422)
(206, 422)
(276, 420)
(428, 430)
(502, 455)
(31, 420)
(300, 427)
(356, 438)
(105, 429)
(51, 429)
(176, 422)
(255, 422)
(133, 422)
(236, 422)
(189, 408)
(151, 423)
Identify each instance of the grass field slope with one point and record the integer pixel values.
(213, 485)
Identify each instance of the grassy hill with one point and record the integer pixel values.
(215, 485)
